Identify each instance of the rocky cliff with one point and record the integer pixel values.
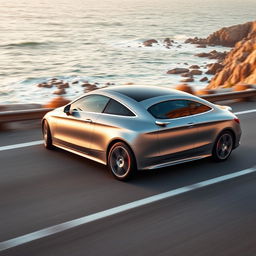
(239, 66)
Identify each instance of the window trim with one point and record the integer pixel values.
(134, 114)
(211, 109)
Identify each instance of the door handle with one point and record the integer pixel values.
(190, 124)
(162, 123)
(88, 120)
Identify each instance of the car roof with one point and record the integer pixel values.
(142, 93)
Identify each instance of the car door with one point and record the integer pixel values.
(177, 131)
(206, 126)
(74, 130)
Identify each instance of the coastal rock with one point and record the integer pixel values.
(45, 85)
(177, 71)
(86, 84)
(196, 40)
(168, 42)
(203, 55)
(89, 87)
(241, 87)
(187, 80)
(150, 42)
(57, 102)
(63, 85)
(239, 65)
(212, 55)
(60, 91)
(214, 68)
(109, 83)
(227, 36)
(186, 75)
(194, 67)
(196, 72)
(203, 92)
(185, 88)
(204, 79)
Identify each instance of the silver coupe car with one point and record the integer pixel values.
(130, 128)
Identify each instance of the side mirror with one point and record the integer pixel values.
(67, 110)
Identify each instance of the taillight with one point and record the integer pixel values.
(237, 120)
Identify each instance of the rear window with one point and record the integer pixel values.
(177, 108)
(116, 108)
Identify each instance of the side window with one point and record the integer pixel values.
(170, 109)
(116, 108)
(91, 103)
(197, 108)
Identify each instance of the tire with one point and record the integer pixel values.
(47, 136)
(121, 162)
(223, 146)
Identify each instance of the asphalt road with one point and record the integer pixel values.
(41, 188)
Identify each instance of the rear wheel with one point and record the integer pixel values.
(47, 135)
(121, 161)
(223, 146)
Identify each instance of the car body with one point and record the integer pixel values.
(155, 126)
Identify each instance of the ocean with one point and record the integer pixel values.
(101, 42)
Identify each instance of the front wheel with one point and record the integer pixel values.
(47, 135)
(223, 146)
(121, 161)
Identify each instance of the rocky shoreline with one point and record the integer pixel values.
(237, 66)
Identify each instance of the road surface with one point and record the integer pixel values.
(40, 189)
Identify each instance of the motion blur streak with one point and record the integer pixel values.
(103, 214)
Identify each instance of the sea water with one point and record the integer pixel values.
(101, 41)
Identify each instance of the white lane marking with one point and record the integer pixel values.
(119, 209)
(22, 145)
(245, 112)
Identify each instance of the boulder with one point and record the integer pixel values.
(63, 85)
(203, 55)
(168, 42)
(89, 87)
(177, 71)
(195, 72)
(186, 75)
(203, 92)
(185, 88)
(60, 91)
(45, 85)
(57, 102)
(214, 68)
(150, 42)
(194, 67)
(187, 80)
(241, 87)
(212, 55)
(204, 79)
